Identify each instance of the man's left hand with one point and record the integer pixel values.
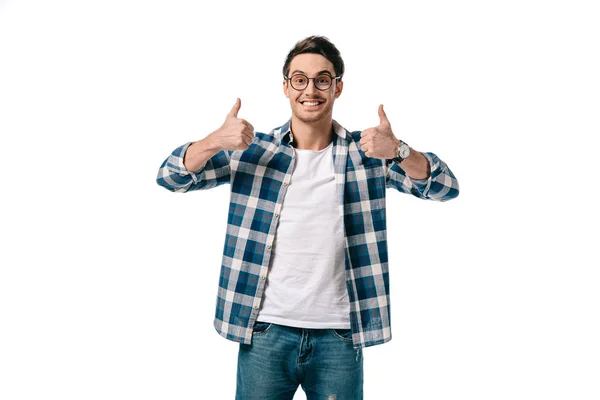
(379, 142)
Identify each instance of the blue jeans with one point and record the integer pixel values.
(280, 358)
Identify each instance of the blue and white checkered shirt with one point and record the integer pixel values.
(259, 177)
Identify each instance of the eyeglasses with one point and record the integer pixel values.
(322, 82)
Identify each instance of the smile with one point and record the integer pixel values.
(311, 103)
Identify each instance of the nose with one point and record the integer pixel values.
(311, 88)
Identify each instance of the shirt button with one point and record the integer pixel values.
(285, 183)
(276, 215)
(262, 277)
(256, 307)
(269, 246)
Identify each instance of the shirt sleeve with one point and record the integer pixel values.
(173, 175)
(441, 185)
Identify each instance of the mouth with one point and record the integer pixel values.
(312, 104)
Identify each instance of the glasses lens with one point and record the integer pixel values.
(299, 82)
(323, 82)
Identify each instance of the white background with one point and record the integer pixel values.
(108, 282)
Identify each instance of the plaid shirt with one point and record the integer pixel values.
(259, 177)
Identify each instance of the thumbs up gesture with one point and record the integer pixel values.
(379, 142)
(235, 133)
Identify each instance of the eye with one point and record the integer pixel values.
(324, 79)
(298, 79)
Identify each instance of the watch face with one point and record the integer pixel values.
(404, 151)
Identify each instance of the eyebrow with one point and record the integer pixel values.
(318, 73)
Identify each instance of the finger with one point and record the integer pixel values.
(382, 117)
(249, 130)
(236, 108)
(248, 133)
(366, 132)
(249, 126)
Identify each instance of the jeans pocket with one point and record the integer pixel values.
(342, 334)
(261, 328)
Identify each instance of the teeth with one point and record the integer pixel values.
(307, 103)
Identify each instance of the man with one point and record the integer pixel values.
(304, 277)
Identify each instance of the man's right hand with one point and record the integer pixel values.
(235, 133)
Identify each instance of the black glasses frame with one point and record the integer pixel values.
(333, 78)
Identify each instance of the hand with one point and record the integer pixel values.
(379, 142)
(235, 133)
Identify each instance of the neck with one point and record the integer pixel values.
(312, 135)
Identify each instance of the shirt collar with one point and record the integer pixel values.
(284, 133)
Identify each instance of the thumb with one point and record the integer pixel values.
(382, 117)
(236, 108)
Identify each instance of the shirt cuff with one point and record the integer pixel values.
(175, 163)
(423, 185)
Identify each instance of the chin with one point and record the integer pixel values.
(310, 117)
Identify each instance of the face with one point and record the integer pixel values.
(311, 104)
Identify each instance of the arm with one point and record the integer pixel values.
(416, 165)
(441, 185)
(423, 175)
(214, 171)
(205, 164)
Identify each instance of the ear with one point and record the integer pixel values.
(338, 89)
(286, 89)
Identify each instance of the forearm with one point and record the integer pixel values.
(198, 153)
(201, 173)
(440, 183)
(416, 166)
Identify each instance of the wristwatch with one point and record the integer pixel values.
(403, 153)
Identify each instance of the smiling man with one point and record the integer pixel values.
(304, 283)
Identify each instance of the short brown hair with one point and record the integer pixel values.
(316, 45)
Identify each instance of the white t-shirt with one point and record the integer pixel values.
(305, 285)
